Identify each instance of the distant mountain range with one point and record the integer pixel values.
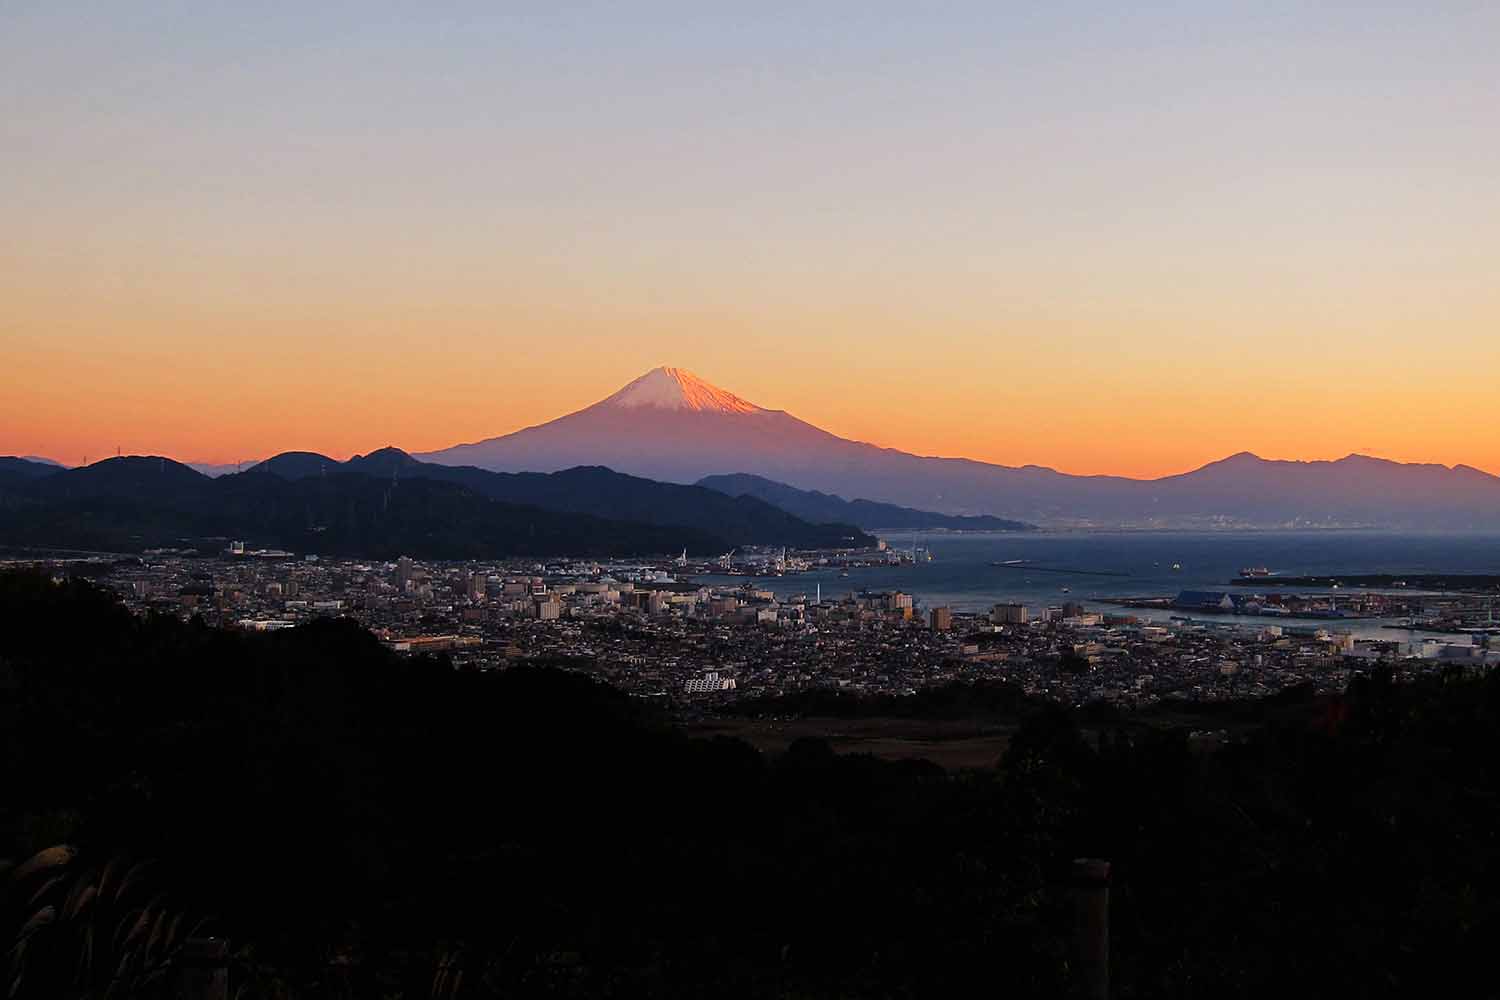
(671, 425)
(207, 468)
(810, 505)
(669, 428)
(383, 505)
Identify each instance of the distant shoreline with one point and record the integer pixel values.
(1453, 583)
(1240, 529)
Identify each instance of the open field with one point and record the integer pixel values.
(950, 744)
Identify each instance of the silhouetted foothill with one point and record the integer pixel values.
(365, 824)
(386, 504)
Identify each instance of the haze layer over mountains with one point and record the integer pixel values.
(671, 425)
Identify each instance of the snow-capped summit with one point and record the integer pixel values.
(668, 424)
(678, 389)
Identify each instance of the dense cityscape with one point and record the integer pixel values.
(650, 628)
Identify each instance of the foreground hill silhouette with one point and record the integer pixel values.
(385, 505)
(356, 823)
(672, 425)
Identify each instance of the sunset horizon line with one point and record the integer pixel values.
(344, 455)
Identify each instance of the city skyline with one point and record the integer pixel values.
(1104, 241)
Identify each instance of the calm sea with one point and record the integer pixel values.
(1139, 564)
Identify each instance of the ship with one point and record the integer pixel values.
(1254, 573)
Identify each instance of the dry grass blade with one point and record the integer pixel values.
(86, 952)
(170, 940)
(154, 943)
(84, 935)
(45, 889)
(41, 918)
(81, 895)
(136, 876)
(52, 857)
(440, 975)
(134, 932)
(110, 878)
(122, 968)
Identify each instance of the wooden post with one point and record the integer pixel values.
(1089, 891)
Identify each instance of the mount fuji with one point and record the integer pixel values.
(671, 425)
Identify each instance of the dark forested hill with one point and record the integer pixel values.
(386, 503)
(129, 504)
(340, 811)
(348, 817)
(19, 470)
(601, 492)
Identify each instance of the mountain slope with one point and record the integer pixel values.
(867, 514)
(641, 434)
(142, 478)
(601, 492)
(21, 470)
(662, 426)
(678, 389)
(347, 513)
(669, 425)
(297, 465)
(130, 504)
(1356, 488)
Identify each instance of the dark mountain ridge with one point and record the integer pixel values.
(125, 508)
(602, 492)
(379, 506)
(20, 470)
(867, 514)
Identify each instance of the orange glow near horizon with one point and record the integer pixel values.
(198, 384)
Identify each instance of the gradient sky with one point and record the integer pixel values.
(1105, 240)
